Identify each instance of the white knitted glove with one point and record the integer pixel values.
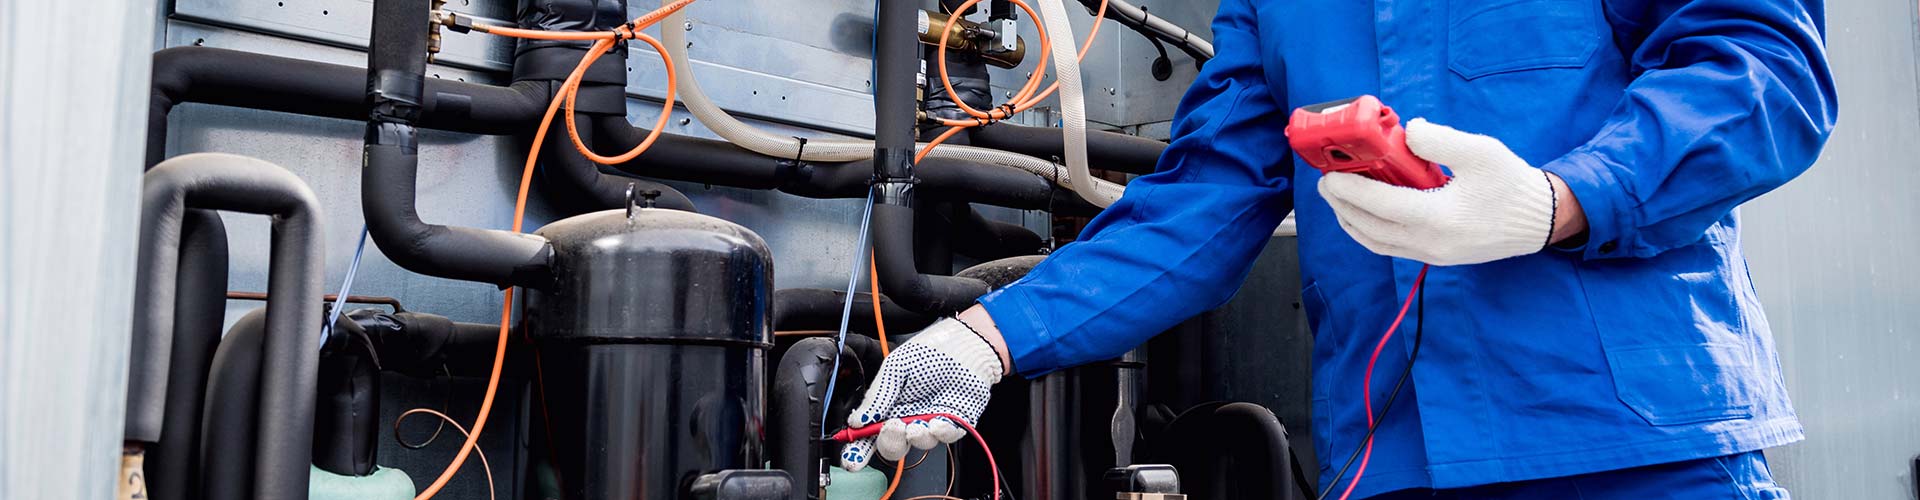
(1496, 206)
(947, 368)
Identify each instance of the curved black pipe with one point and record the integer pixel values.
(579, 179)
(899, 277)
(976, 236)
(235, 183)
(346, 412)
(1255, 445)
(707, 161)
(394, 92)
(1105, 150)
(803, 309)
(200, 308)
(230, 429)
(1003, 272)
(422, 344)
(258, 81)
(799, 391)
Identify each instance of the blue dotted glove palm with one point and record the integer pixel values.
(947, 368)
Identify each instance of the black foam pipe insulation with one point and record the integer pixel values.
(214, 181)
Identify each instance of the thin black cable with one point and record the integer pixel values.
(1419, 326)
(1300, 476)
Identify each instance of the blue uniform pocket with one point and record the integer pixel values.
(1499, 36)
(1687, 384)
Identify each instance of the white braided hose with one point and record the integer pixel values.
(1073, 102)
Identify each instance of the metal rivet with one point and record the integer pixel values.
(689, 25)
(685, 121)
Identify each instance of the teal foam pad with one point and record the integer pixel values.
(867, 484)
(383, 484)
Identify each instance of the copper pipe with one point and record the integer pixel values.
(356, 299)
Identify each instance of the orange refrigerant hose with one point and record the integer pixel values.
(606, 39)
(880, 326)
(1021, 101)
(873, 291)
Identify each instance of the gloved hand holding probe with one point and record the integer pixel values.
(948, 368)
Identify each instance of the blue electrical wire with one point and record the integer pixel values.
(846, 311)
(340, 301)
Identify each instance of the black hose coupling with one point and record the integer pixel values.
(395, 95)
(896, 192)
(395, 134)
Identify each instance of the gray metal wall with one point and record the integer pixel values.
(1833, 254)
(72, 114)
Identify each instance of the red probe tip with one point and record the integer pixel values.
(852, 434)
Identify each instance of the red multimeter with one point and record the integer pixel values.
(1362, 136)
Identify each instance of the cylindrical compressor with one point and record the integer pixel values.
(653, 344)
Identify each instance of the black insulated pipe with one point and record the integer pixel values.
(817, 309)
(799, 393)
(579, 182)
(346, 417)
(258, 81)
(1215, 445)
(200, 308)
(893, 253)
(234, 183)
(976, 236)
(231, 428)
(1105, 150)
(394, 93)
(896, 61)
(707, 161)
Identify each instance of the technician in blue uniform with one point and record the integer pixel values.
(1591, 329)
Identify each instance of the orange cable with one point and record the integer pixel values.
(606, 40)
(1021, 101)
(444, 419)
(899, 469)
(873, 290)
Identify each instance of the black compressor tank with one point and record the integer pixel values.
(652, 347)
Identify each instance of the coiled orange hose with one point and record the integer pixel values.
(1023, 100)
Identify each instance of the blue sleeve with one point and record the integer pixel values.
(1182, 239)
(1730, 99)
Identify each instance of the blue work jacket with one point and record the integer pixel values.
(1645, 345)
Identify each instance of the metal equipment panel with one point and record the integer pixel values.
(70, 153)
(343, 23)
(1832, 255)
(806, 64)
